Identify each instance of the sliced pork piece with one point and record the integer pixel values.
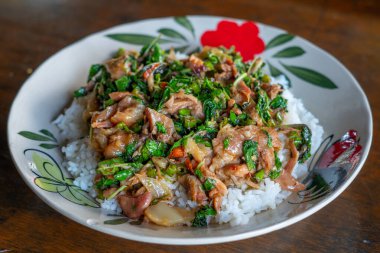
(99, 140)
(198, 151)
(168, 133)
(129, 111)
(227, 74)
(197, 65)
(241, 93)
(286, 180)
(117, 142)
(194, 189)
(116, 67)
(236, 136)
(133, 207)
(181, 100)
(271, 89)
(102, 119)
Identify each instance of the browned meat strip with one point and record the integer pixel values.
(155, 118)
(133, 207)
(181, 100)
(129, 111)
(228, 72)
(237, 135)
(197, 65)
(194, 189)
(286, 180)
(271, 89)
(117, 142)
(116, 67)
(102, 119)
(241, 93)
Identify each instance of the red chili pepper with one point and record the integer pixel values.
(177, 152)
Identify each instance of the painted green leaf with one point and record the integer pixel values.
(69, 181)
(279, 40)
(48, 133)
(34, 136)
(47, 167)
(275, 72)
(48, 146)
(289, 52)
(136, 39)
(172, 33)
(311, 76)
(185, 22)
(46, 184)
(78, 196)
(83, 197)
(116, 221)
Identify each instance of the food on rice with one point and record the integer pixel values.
(207, 138)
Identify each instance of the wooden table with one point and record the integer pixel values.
(31, 31)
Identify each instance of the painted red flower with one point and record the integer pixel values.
(245, 38)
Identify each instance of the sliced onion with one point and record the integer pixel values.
(166, 215)
(157, 188)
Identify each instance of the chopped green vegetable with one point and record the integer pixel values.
(198, 171)
(81, 92)
(151, 172)
(269, 140)
(259, 176)
(275, 173)
(161, 128)
(184, 112)
(250, 153)
(209, 109)
(189, 122)
(226, 143)
(306, 143)
(104, 183)
(151, 148)
(209, 184)
(123, 83)
(164, 98)
(262, 107)
(171, 170)
(123, 174)
(233, 119)
(94, 69)
(279, 102)
(201, 215)
(113, 195)
(202, 140)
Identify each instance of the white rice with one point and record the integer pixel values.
(238, 206)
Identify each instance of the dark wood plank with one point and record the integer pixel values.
(33, 30)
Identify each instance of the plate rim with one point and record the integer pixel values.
(196, 240)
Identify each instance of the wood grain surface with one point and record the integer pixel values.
(32, 30)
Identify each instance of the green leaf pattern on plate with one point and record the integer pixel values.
(185, 22)
(50, 178)
(289, 52)
(45, 136)
(306, 74)
(279, 40)
(275, 72)
(136, 39)
(172, 33)
(311, 76)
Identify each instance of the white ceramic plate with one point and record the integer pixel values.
(327, 88)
